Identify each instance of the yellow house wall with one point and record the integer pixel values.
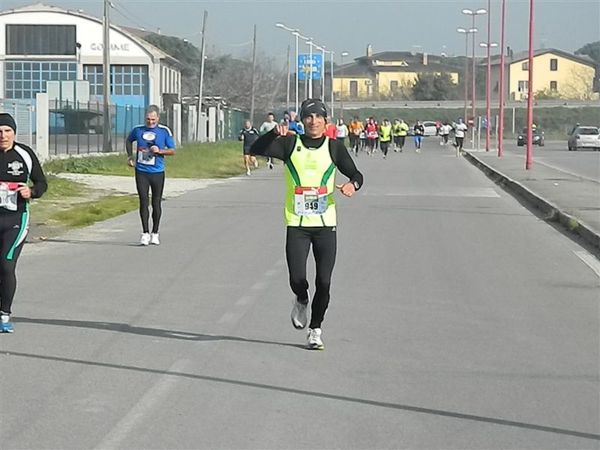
(342, 85)
(384, 80)
(574, 80)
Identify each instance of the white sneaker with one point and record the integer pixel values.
(256, 163)
(145, 239)
(313, 340)
(299, 314)
(154, 239)
(248, 172)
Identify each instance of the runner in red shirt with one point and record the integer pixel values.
(372, 131)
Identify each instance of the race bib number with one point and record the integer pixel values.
(9, 195)
(309, 201)
(146, 157)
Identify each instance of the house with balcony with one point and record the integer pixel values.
(387, 75)
(556, 74)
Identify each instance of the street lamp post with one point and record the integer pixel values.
(473, 14)
(342, 56)
(466, 75)
(295, 32)
(501, 94)
(529, 157)
(488, 45)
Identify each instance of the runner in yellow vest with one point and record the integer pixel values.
(311, 162)
(385, 137)
(400, 131)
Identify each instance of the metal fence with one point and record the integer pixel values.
(77, 127)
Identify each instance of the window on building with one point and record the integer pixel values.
(554, 86)
(523, 86)
(394, 86)
(25, 79)
(554, 64)
(125, 80)
(353, 89)
(40, 39)
(525, 65)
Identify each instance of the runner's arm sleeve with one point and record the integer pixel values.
(274, 146)
(344, 162)
(40, 185)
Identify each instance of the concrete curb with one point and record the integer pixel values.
(551, 212)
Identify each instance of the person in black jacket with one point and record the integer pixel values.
(21, 179)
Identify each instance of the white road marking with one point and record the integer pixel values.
(166, 383)
(594, 180)
(241, 306)
(590, 260)
(449, 192)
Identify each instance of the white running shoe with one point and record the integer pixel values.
(256, 163)
(145, 239)
(313, 340)
(248, 172)
(154, 239)
(299, 314)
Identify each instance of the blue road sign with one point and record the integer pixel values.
(304, 66)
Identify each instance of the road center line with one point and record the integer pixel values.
(590, 260)
(241, 306)
(142, 408)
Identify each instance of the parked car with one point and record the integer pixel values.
(430, 128)
(538, 137)
(584, 137)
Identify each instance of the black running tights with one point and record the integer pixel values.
(13, 230)
(146, 182)
(324, 246)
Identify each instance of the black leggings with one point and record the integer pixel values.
(324, 245)
(13, 231)
(144, 183)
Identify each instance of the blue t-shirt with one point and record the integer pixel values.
(145, 160)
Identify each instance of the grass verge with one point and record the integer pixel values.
(213, 160)
(88, 213)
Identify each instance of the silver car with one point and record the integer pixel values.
(584, 137)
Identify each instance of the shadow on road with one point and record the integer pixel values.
(324, 395)
(88, 242)
(144, 331)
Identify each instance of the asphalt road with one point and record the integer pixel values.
(457, 320)
(584, 163)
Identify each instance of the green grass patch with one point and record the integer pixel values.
(210, 160)
(88, 213)
(59, 188)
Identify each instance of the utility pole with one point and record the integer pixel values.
(201, 77)
(107, 122)
(287, 97)
(253, 88)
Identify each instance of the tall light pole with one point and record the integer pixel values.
(342, 56)
(501, 91)
(295, 32)
(529, 157)
(332, 54)
(107, 128)
(473, 14)
(466, 32)
(201, 77)
(488, 45)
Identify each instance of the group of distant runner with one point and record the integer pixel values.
(364, 136)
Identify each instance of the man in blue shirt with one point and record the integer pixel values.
(154, 142)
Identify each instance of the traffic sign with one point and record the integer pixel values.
(304, 66)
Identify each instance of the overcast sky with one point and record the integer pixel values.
(349, 25)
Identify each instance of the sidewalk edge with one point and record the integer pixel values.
(552, 212)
